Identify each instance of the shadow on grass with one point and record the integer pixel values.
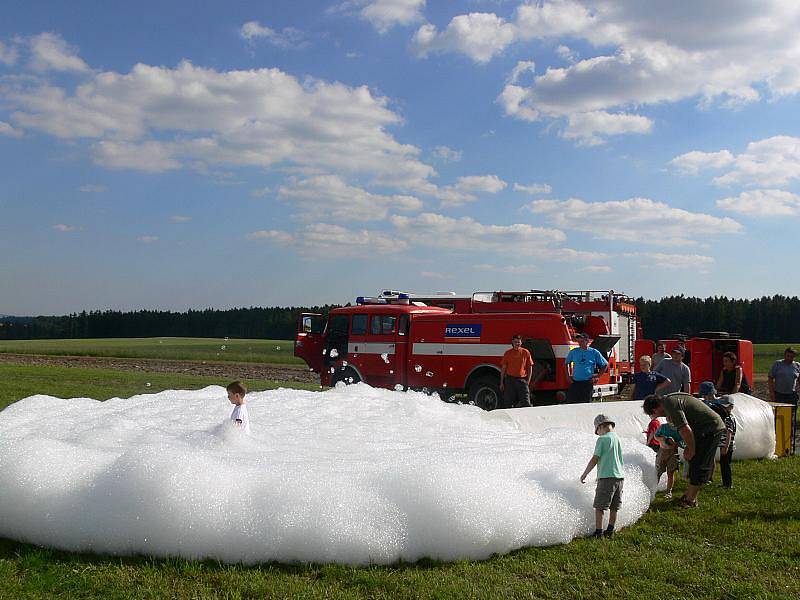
(13, 550)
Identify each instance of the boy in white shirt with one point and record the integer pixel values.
(236, 394)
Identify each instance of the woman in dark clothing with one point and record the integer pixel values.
(732, 378)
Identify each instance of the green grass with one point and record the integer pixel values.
(208, 349)
(764, 355)
(21, 381)
(741, 543)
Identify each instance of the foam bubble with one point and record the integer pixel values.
(352, 475)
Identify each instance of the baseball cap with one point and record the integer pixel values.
(601, 420)
(726, 401)
(706, 388)
(677, 349)
(581, 336)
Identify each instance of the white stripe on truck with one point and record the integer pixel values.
(432, 349)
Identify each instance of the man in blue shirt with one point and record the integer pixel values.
(581, 363)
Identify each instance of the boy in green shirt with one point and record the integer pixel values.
(610, 475)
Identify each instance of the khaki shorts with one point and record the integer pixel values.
(667, 461)
(608, 493)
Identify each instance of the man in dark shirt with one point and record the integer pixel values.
(700, 428)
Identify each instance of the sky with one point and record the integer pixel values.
(298, 152)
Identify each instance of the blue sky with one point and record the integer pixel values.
(191, 154)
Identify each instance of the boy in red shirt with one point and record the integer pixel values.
(516, 369)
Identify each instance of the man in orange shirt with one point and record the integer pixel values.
(516, 369)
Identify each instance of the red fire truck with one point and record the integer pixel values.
(705, 352)
(453, 345)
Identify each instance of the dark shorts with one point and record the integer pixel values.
(580, 392)
(516, 392)
(608, 493)
(705, 450)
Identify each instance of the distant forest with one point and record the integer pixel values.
(762, 320)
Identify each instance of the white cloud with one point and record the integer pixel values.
(147, 239)
(646, 53)
(439, 231)
(466, 189)
(49, 52)
(328, 197)
(384, 14)
(288, 37)
(566, 53)
(768, 162)
(663, 260)
(446, 154)
(270, 235)
(523, 66)
(180, 219)
(481, 36)
(260, 192)
(596, 269)
(8, 54)
(93, 188)
(588, 128)
(156, 118)
(324, 240)
(514, 269)
(437, 275)
(534, 189)
(150, 157)
(763, 203)
(64, 228)
(638, 220)
(696, 161)
(8, 130)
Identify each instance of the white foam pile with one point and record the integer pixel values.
(755, 422)
(353, 475)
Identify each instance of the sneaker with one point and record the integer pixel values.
(598, 533)
(668, 495)
(608, 533)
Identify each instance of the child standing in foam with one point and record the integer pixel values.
(610, 475)
(236, 394)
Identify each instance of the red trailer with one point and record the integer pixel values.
(705, 352)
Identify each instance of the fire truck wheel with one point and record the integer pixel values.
(485, 392)
(346, 375)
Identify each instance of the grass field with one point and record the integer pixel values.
(741, 543)
(764, 355)
(208, 349)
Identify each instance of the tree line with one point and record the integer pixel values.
(762, 320)
(769, 319)
(276, 323)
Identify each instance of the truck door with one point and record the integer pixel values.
(309, 341)
(336, 339)
(380, 358)
(425, 362)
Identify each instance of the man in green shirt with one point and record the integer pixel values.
(700, 428)
(610, 475)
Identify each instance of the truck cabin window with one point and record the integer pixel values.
(359, 325)
(383, 324)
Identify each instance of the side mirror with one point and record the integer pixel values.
(306, 324)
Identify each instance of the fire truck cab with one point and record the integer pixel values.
(397, 343)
